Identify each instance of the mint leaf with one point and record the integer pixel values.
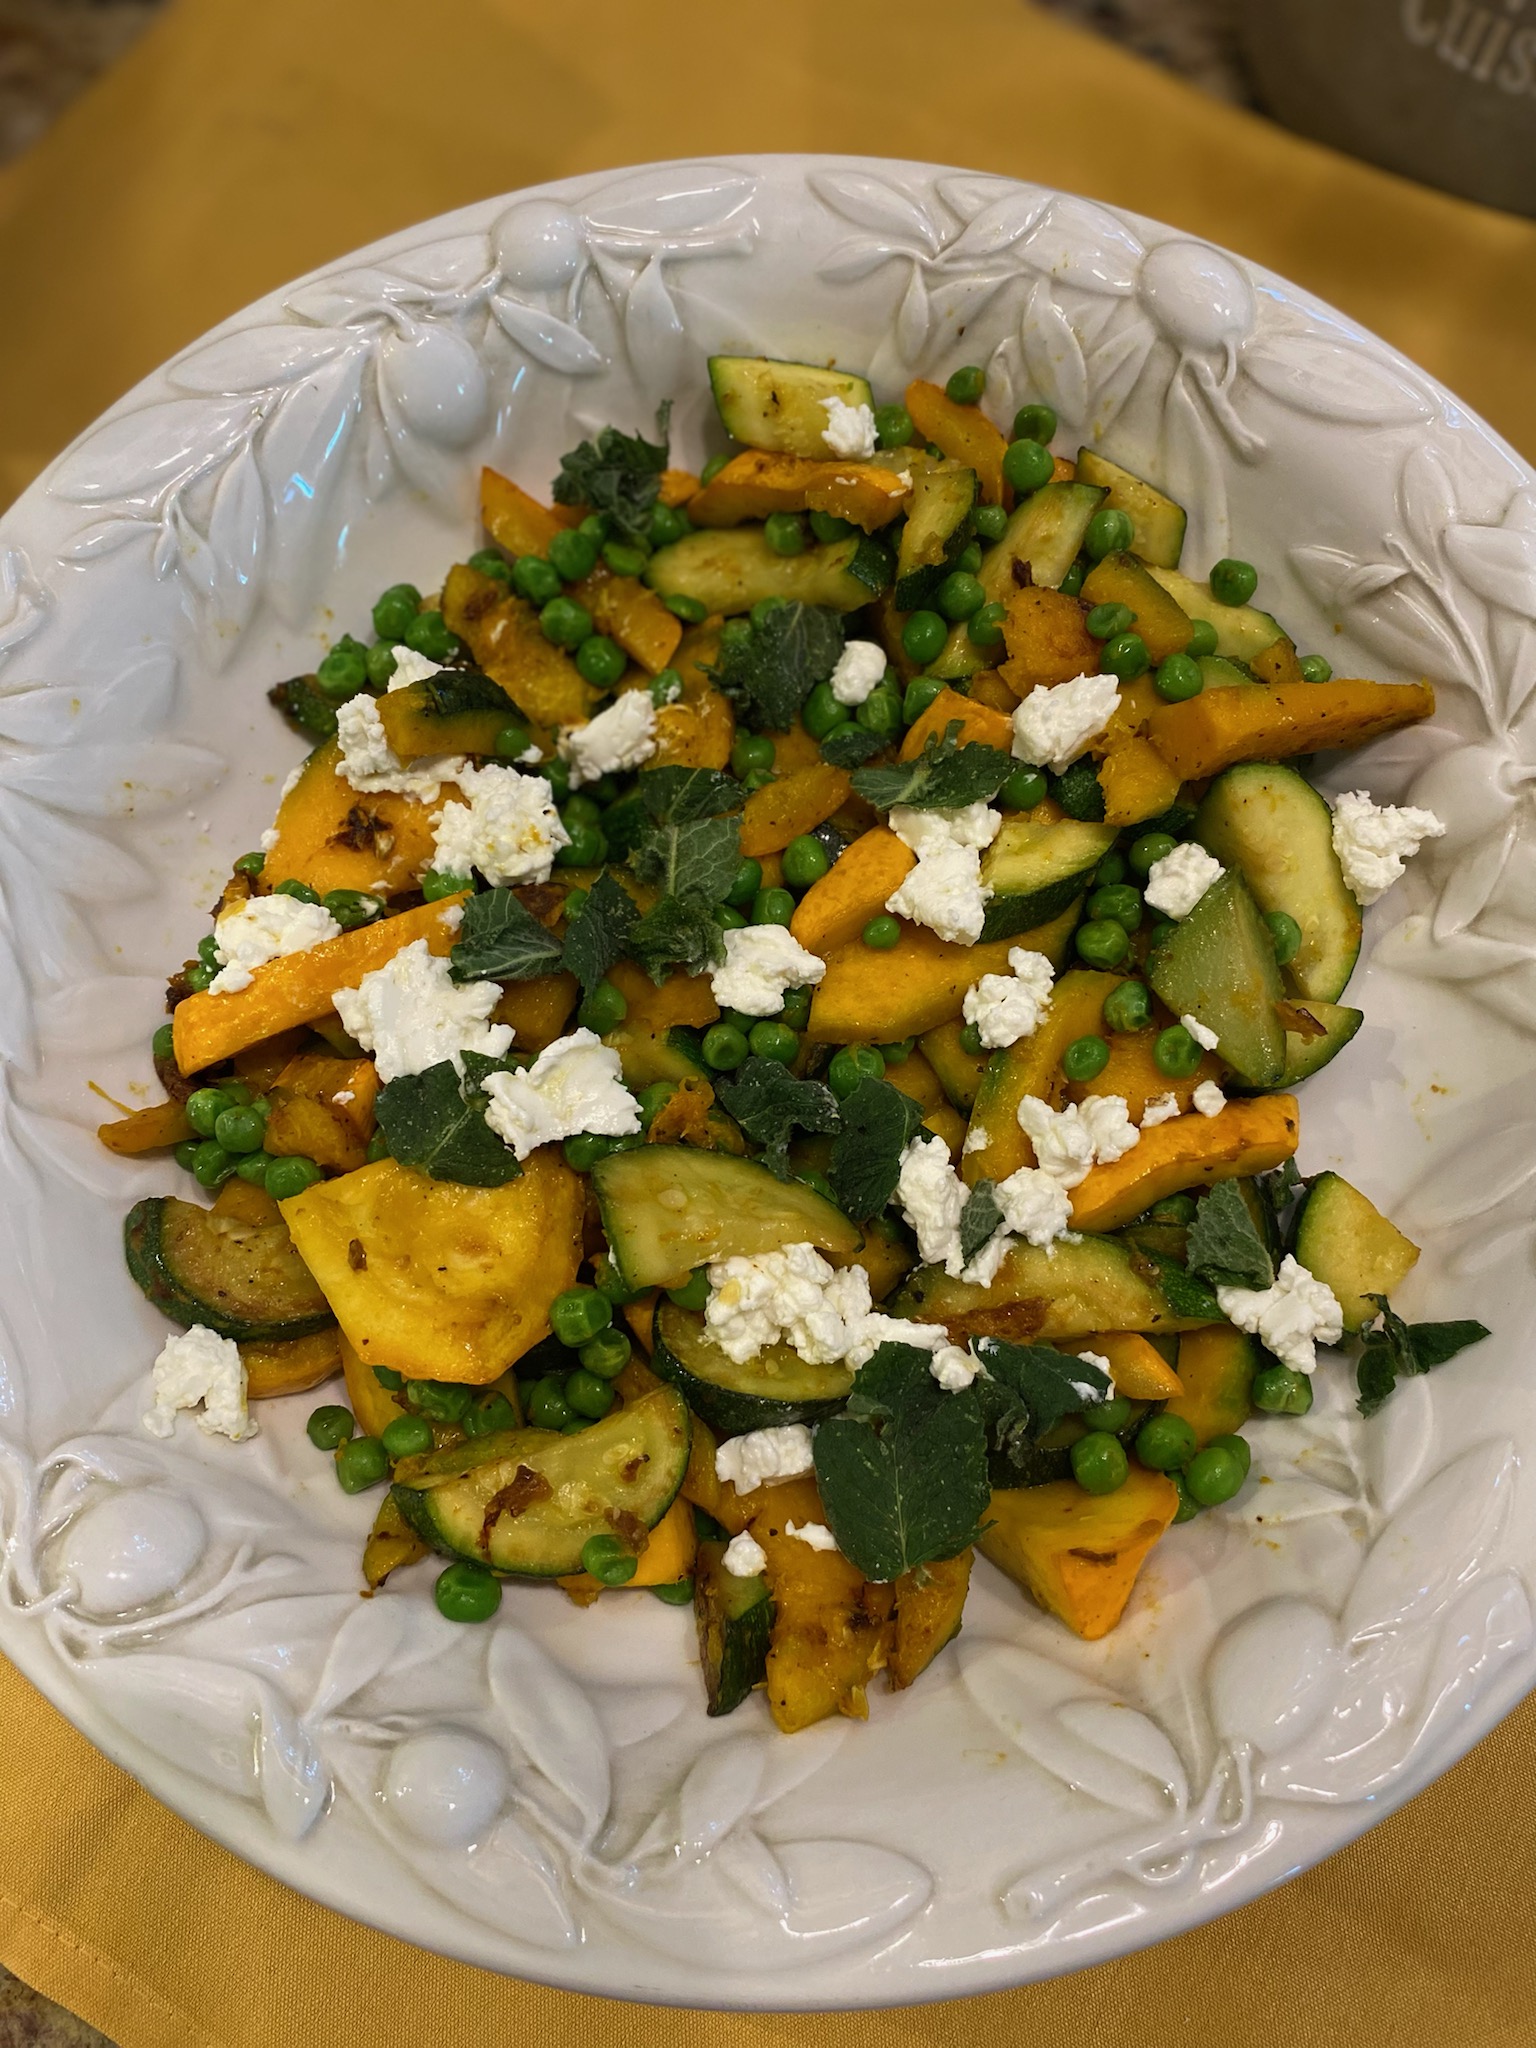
(902, 1472)
(851, 746)
(1048, 1383)
(944, 776)
(1398, 1349)
(1187, 1298)
(979, 1219)
(1080, 793)
(1224, 1244)
(677, 932)
(674, 795)
(453, 690)
(698, 858)
(770, 670)
(598, 935)
(769, 1104)
(500, 940)
(619, 474)
(878, 1123)
(431, 1125)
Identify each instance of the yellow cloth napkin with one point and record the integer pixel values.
(238, 146)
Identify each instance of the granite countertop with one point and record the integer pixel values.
(51, 49)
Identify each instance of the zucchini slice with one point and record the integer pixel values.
(1242, 631)
(1216, 1368)
(1046, 531)
(1344, 1240)
(244, 1280)
(959, 1071)
(728, 569)
(525, 1501)
(669, 1208)
(1271, 824)
(735, 1621)
(776, 1387)
(647, 1056)
(457, 711)
(1070, 1289)
(779, 406)
(1217, 672)
(1157, 523)
(1218, 965)
(1307, 1052)
(1035, 871)
(935, 533)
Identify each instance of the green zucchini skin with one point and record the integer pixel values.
(935, 534)
(732, 1398)
(729, 569)
(735, 1623)
(1157, 523)
(1242, 630)
(778, 406)
(1036, 871)
(1046, 531)
(1218, 965)
(243, 1281)
(1041, 1296)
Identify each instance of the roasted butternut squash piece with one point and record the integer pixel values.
(915, 1077)
(964, 433)
(292, 1366)
(929, 1604)
(1277, 663)
(322, 1109)
(392, 1543)
(980, 725)
(440, 1281)
(1189, 1152)
(1215, 1391)
(697, 730)
(794, 750)
(683, 999)
(871, 997)
(1047, 641)
(537, 1009)
(755, 484)
(517, 522)
(246, 1202)
(299, 989)
(333, 837)
(635, 617)
(667, 1557)
(1132, 1071)
(677, 486)
(146, 1130)
(1137, 783)
(1031, 1067)
(503, 633)
(1078, 1554)
(1138, 1369)
(1271, 722)
(374, 1406)
(834, 911)
(640, 1316)
(797, 803)
(832, 1630)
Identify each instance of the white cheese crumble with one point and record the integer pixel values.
(860, 667)
(1202, 1034)
(1176, 883)
(621, 737)
(1035, 1205)
(264, 928)
(369, 764)
(793, 1296)
(411, 1014)
(1070, 1142)
(761, 962)
(572, 1086)
(975, 825)
(945, 890)
(850, 429)
(932, 1197)
(763, 1456)
(198, 1365)
(953, 1368)
(1007, 1007)
(1208, 1099)
(814, 1535)
(1372, 841)
(1288, 1318)
(508, 828)
(1051, 727)
(1160, 1110)
(744, 1557)
(411, 667)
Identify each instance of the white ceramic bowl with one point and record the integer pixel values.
(545, 1795)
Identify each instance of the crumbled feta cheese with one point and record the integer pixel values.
(1051, 727)
(976, 1140)
(369, 764)
(815, 1535)
(198, 1365)
(1088, 1395)
(945, 890)
(1108, 1122)
(850, 429)
(793, 1296)
(264, 928)
(621, 737)
(953, 1368)
(1007, 1007)
(1035, 1205)
(860, 666)
(411, 667)
(1176, 883)
(572, 1086)
(1208, 1099)
(763, 1456)
(411, 1014)
(761, 962)
(1373, 841)
(291, 782)
(1202, 1034)
(925, 832)
(932, 1197)
(1161, 1110)
(1288, 1318)
(744, 1557)
(269, 839)
(508, 828)
(344, 1095)
(1069, 1142)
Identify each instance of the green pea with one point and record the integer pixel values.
(920, 693)
(208, 951)
(1232, 582)
(250, 864)
(1128, 1007)
(959, 595)
(893, 426)
(1106, 621)
(601, 661)
(585, 848)
(1178, 1210)
(1085, 1058)
(1149, 849)
(827, 527)
(535, 579)
(1110, 870)
(764, 610)
(408, 1436)
(545, 1403)
(351, 908)
(589, 1395)
(882, 932)
(344, 671)
(573, 554)
(1315, 668)
(923, 636)
(435, 886)
(772, 906)
(581, 809)
(724, 1048)
(204, 1107)
(1117, 900)
(691, 610)
(490, 562)
(898, 1050)
(1176, 1053)
(964, 387)
(678, 1594)
(163, 1044)
(378, 1148)
(784, 533)
(1102, 942)
(301, 892)
(361, 1462)
(694, 1292)
(1165, 1443)
(1188, 1506)
(1214, 1475)
(970, 1040)
(186, 1152)
(291, 1176)
(1285, 935)
(1072, 582)
(1024, 789)
(395, 610)
(583, 1151)
(576, 1425)
(198, 976)
(1125, 656)
(380, 663)
(1237, 1446)
(487, 1413)
(984, 628)
(390, 1380)
(668, 523)
(1027, 466)
(329, 1428)
(557, 774)
(653, 1099)
(1109, 531)
(577, 1314)
(240, 1130)
(796, 1010)
(850, 1066)
(512, 742)
(880, 713)
(805, 861)
(606, 1560)
(989, 523)
(771, 1040)
(821, 713)
(1035, 423)
(428, 634)
(809, 1177)
(565, 622)
(1202, 640)
(666, 687)
(1278, 1390)
(605, 1355)
(712, 468)
(1099, 1463)
(467, 1592)
(1112, 1414)
(252, 1167)
(751, 750)
(603, 1010)
(1178, 678)
(623, 559)
(728, 917)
